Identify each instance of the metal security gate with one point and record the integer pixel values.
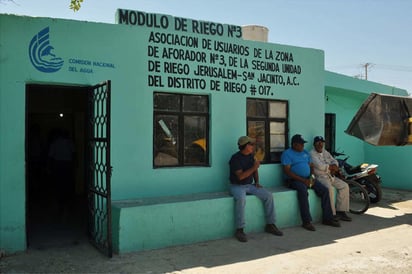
(99, 169)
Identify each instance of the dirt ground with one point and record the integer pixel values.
(379, 241)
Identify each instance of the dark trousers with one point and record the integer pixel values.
(303, 200)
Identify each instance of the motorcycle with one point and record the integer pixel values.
(365, 174)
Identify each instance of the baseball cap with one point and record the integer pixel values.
(297, 138)
(318, 139)
(244, 140)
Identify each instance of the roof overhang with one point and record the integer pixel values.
(383, 120)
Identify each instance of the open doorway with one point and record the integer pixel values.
(56, 215)
(330, 131)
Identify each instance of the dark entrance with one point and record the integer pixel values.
(67, 155)
(330, 131)
(56, 211)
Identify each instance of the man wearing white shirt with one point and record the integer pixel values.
(325, 167)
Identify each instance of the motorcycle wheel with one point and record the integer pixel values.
(358, 197)
(373, 187)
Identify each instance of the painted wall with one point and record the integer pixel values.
(18, 34)
(228, 112)
(87, 53)
(95, 52)
(343, 96)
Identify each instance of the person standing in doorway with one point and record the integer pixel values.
(244, 179)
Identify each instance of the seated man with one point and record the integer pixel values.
(324, 168)
(297, 167)
(243, 173)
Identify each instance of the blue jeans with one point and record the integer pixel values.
(303, 200)
(239, 194)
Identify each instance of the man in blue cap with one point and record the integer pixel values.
(298, 170)
(244, 179)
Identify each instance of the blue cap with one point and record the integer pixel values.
(297, 138)
(318, 139)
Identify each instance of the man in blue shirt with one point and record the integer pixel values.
(244, 179)
(298, 170)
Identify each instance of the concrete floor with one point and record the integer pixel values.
(379, 241)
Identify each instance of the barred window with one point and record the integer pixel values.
(267, 121)
(181, 130)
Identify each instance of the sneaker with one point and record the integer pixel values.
(309, 226)
(331, 223)
(240, 235)
(272, 229)
(343, 216)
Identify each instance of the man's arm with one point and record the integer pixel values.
(331, 160)
(243, 174)
(317, 163)
(333, 163)
(295, 177)
(256, 178)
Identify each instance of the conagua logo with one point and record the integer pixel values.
(41, 53)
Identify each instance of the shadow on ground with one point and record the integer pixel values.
(394, 210)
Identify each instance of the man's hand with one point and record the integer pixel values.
(256, 165)
(309, 183)
(293, 176)
(258, 185)
(333, 169)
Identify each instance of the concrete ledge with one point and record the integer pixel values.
(151, 223)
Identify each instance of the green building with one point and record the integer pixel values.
(154, 105)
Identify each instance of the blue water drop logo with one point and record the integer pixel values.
(41, 53)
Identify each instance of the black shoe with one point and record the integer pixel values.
(272, 229)
(309, 226)
(240, 235)
(336, 217)
(331, 223)
(343, 216)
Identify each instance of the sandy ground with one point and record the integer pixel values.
(379, 241)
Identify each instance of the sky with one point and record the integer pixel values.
(359, 37)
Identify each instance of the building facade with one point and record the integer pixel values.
(154, 105)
